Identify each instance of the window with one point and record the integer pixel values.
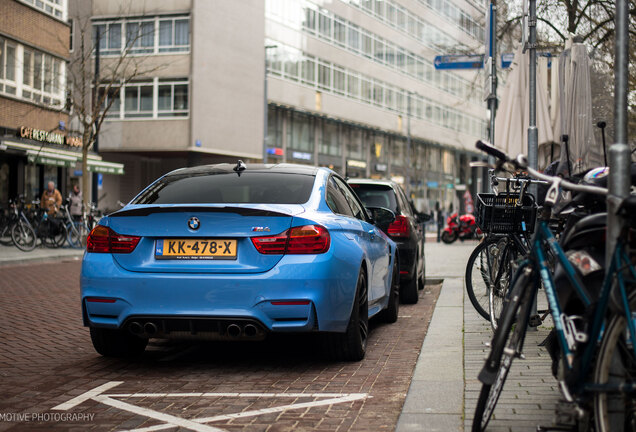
(138, 100)
(309, 71)
(338, 80)
(336, 199)
(172, 99)
(109, 35)
(352, 201)
(300, 134)
(52, 7)
(329, 144)
(339, 32)
(42, 77)
(140, 36)
(111, 100)
(7, 67)
(174, 35)
(324, 76)
(210, 187)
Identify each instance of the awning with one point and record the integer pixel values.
(48, 158)
(105, 167)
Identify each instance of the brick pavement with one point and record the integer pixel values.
(47, 359)
(530, 393)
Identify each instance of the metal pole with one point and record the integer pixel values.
(94, 187)
(620, 157)
(265, 108)
(492, 98)
(408, 145)
(533, 136)
(491, 51)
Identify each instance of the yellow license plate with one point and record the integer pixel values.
(212, 249)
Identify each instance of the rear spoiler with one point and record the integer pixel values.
(243, 211)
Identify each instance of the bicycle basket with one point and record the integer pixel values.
(501, 214)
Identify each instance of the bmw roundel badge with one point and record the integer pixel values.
(194, 223)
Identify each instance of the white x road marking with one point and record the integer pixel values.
(170, 421)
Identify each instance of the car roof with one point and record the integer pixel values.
(229, 168)
(372, 182)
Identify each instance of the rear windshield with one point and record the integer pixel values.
(376, 196)
(229, 188)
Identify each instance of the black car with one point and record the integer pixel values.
(406, 231)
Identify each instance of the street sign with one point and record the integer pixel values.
(506, 60)
(459, 61)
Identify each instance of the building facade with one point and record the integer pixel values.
(352, 85)
(36, 145)
(348, 84)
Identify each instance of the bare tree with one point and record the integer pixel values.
(91, 97)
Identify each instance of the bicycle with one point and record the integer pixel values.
(596, 377)
(507, 218)
(22, 232)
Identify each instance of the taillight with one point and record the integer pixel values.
(307, 239)
(271, 244)
(399, 227)
(104, 240)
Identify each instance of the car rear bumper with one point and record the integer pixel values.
(302, 293)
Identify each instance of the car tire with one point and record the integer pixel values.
(352, 344)
(390, 314)
(117, 343)
(409, 291)
(423, 277)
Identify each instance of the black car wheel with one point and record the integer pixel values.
(352, 344)
(117, 343)
(390, 314)
(409, 290)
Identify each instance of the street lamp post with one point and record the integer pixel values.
(265, 107)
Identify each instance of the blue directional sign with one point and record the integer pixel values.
(506, 60)
(459, 61)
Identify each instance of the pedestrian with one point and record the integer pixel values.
(51, 199)
(440, 220)
(76, 203)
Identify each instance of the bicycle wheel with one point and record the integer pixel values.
(507, 343)
(615, 364)
(478, 277)
(23, 236)
(5, 234)
(77, 233)
(504, 253)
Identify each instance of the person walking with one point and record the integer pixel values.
(440, 220)
(51, 199)
(76, 203)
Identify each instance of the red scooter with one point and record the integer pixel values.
(460, 227)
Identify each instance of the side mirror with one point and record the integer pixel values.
(381, 217)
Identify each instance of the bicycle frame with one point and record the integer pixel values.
(566, 333)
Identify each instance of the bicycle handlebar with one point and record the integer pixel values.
(522, 162)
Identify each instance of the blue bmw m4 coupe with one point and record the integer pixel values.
(229, 252)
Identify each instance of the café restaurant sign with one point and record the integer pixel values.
(49, 137)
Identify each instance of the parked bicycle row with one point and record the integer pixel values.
(27, 225)
(557, 242)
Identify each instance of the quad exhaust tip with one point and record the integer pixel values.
(250, 330)
(150, 328)
(234, 330)
(135, 328)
